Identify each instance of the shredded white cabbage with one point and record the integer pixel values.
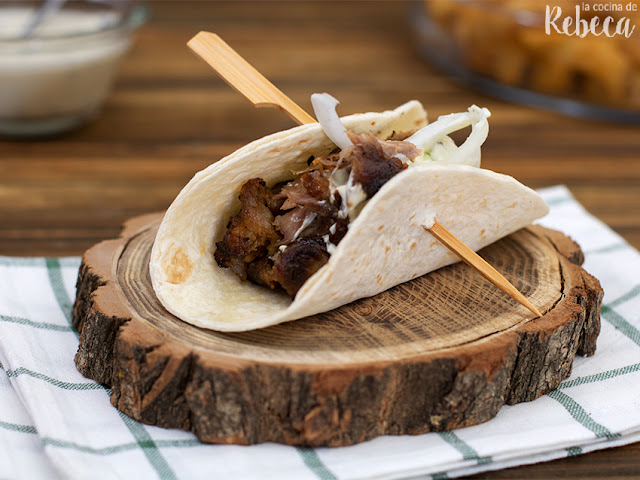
(439, 153)
(439, 148)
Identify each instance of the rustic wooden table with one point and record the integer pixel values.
(169, 116)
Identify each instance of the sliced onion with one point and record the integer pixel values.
(469, 152)
(324, 105)
(428, 136)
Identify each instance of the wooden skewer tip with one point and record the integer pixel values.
(475, 261)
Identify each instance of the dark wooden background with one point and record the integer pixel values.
(169, 116)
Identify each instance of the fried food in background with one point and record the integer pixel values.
(506, 41)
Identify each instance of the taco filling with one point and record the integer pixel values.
(352, 211)
(285, 233)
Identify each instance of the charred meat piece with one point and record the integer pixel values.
(251, 232)
(311, 190)
(395, 149)
(338, 230)
(328, 163)
(260, 271)
(308, 201)
(298, 262)
(291, 222)
(371, 167)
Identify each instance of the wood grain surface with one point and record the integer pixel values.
(168, 117)
(443, 351)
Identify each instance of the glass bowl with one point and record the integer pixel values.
(58, 78)
(502, 48)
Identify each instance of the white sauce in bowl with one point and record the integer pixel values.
(62, 74)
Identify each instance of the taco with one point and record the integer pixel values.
(306, 220)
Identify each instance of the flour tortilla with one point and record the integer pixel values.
(385, 245)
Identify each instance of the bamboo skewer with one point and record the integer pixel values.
(475, 261)
(241, 76)
(245, 79)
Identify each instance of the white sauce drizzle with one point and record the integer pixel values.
(330, 246)
(305, 223)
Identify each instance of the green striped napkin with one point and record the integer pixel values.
(54, 423)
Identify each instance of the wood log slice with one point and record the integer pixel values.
(443, 351)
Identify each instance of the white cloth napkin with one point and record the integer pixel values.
(54, 423)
